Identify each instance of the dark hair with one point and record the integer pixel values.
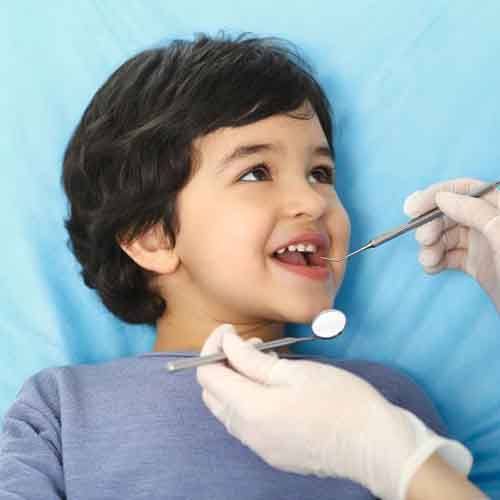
(131, 153)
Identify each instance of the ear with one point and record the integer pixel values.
(152, 251)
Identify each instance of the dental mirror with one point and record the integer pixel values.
(328, 324)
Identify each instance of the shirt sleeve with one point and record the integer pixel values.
(30, 445)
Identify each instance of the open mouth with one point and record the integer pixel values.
(306, 265)
(297, 258)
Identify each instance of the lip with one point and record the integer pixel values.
(314, 273)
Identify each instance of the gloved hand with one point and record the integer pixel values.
(468, 238)
(312, 418)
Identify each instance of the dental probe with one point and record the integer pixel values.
(328, 324)
(411, 224)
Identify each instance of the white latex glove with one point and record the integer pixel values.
(468, 238)
(312, 418)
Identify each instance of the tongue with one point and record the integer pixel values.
(294, 258)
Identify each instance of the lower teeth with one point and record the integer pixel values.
(306, 262)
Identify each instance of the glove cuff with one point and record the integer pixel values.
(453, 452)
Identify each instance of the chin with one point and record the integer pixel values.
(305, 313)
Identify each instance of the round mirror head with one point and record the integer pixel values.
(329, 323)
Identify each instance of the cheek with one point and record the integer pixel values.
(225, 236)
(341, 233)
(345, 228)
(241, 237)
(245, 227)
(340, 226)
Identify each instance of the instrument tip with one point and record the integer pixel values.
(333, 260)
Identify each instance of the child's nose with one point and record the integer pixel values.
(302, 197)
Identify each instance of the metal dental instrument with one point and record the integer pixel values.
(328, 324)
(411, 224)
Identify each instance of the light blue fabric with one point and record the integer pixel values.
(414, 86)
(127, 429)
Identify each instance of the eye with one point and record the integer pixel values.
(327, 173)
(257, 168)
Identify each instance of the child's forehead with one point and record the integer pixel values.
(274, 134)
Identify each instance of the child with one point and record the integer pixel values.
(173, 228)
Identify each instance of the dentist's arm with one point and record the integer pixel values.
(468, 238)
(435, 479)
(313, 418)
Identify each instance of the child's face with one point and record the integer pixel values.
(233, 216)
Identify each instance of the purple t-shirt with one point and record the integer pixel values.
(127, 429)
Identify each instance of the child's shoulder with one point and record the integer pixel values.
(55, 374)
(49, 386)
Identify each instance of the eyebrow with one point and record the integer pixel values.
(250, 149)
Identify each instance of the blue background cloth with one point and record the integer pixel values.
(414, 86)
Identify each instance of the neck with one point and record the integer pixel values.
(173, 335)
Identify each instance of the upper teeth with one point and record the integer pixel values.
(299, 248)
